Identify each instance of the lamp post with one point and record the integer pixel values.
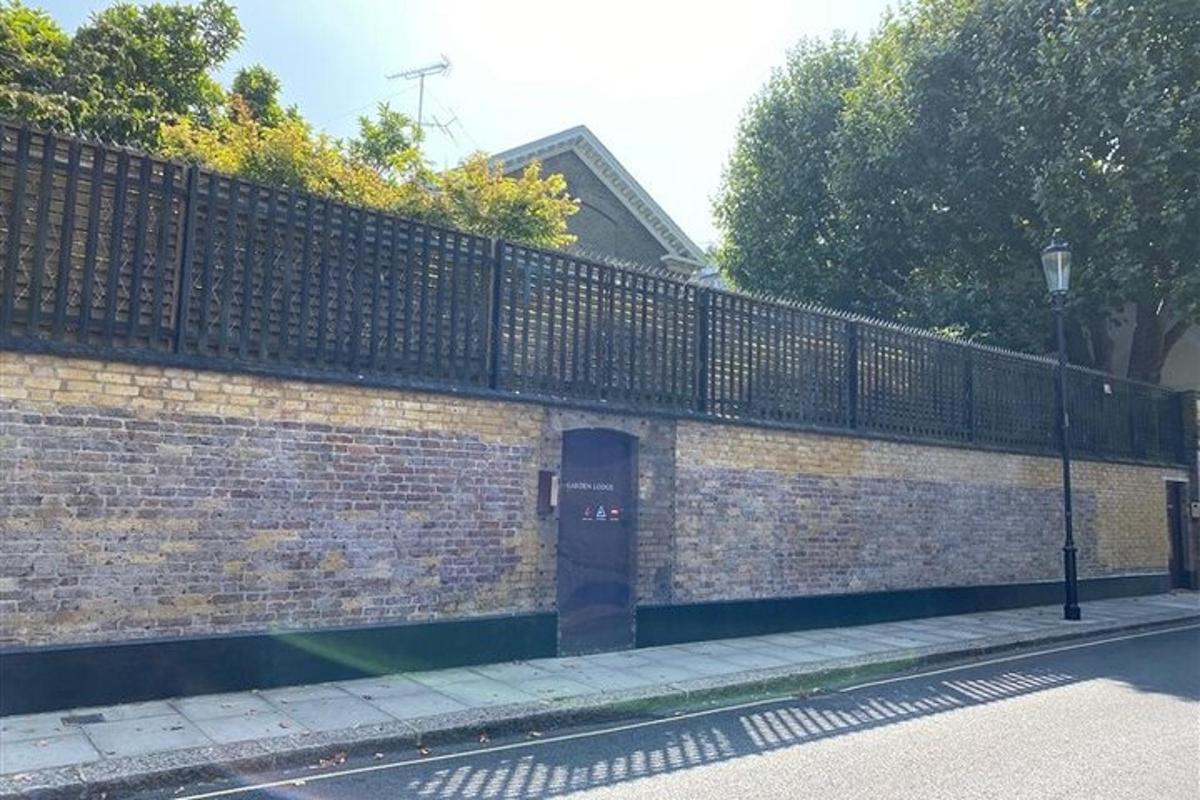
(1056, 263)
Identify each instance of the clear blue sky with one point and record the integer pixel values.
(661, 83)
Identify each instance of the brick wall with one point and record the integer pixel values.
(762, 513)
(140, 501)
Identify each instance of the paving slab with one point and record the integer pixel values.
(34, 726)
(334, 713)
(756, 659)
(304, 694)
(416, 705)
(444, 677)
(665, 673)
(485, 692)
(118, 713)
(555, 687)
(140, 735)
(514, 671)
(216, 706)
(45, 753)
(384, 686)
(612, 680)
(251, 725)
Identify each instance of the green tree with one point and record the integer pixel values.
(473, 196)
(780, 216)
(971, 131)
(530, 208)
(123, 74)
(259, 89)
(388, 142)
(32, 53)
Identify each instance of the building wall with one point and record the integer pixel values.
(143, 502)
(604, 226)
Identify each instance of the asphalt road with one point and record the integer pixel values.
(1112, 720)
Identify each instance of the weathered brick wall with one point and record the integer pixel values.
(140, 501)
(765, 513)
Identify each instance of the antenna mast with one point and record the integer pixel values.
(419, 73)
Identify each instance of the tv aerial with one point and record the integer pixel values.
(419, 74)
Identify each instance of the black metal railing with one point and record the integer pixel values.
(117, 253)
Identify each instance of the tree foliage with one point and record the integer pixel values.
(474, 196)
(916, 176)
(123, 73)
(143, 76)
(258, 88)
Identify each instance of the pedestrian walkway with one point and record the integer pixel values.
(136, 742)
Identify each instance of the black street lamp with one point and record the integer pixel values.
(1056, 263)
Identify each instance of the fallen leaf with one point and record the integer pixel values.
(334, 760)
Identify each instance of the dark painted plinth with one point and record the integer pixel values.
(49, 678)
(657, 625)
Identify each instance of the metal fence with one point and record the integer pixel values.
(113, 252)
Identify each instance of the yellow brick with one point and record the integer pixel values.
(121, 390)
(84, 386)
(75, 373)
(42, 383)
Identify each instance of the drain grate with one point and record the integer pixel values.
(83, 719)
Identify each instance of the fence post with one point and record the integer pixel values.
(703, 300)
(852, 374)
(186, 248)
(494, 308)
(1133, 422)
(15, 224)
(969, 391)
(1187, 411)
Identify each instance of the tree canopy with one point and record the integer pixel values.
(916, 175)
(143, 76)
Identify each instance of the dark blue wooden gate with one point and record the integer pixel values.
(596, 534)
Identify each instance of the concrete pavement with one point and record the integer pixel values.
(199, 737)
